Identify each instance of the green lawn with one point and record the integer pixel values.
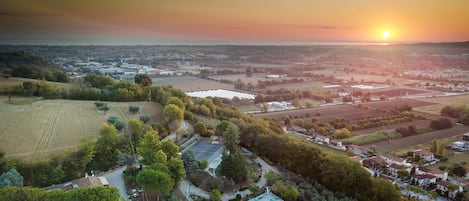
(374, 137)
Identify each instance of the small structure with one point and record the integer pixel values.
(460, 145)
(465, 137)
(425, 181)
(396, 160)
(440, 174)
(87, 181)
(322, 139)
(428, 156)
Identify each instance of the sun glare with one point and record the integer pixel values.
(385, 34)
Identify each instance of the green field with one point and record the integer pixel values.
(371, 138)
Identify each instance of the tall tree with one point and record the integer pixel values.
(176, 101)
(172, 113)
(106, 148)
(148, 147)
(155, 180)
(176, 170)
(170, 149)
(231, 138)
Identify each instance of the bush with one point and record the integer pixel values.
(134, 109)
(441, 123)
(145, 118)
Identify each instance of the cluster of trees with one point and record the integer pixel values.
(40, 88)
(459, 112)
(98, 193)
(441, 123)
(233, 164)
(438, 148)
(21, 64)
(266, 139)
(291, 187)
(164, 168)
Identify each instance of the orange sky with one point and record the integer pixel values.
(159, 21)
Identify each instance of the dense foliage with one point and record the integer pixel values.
(21, 64)
(98, 193)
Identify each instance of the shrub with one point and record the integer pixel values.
(134, 109)
(145, 118)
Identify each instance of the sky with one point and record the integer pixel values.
(147, 22)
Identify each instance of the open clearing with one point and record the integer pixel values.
(190, 83)
(39, 128)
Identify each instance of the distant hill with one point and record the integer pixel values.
(464, 44)
(21, 64)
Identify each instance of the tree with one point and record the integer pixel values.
(143, 80)
(381, 189)
(11, 178)
(96, 193)
(215, 195)
(106, 148)
(221, 127)
(176, 170)
(231, 138)
(271, 177)
(172, 113)
(190, 163)
(148, 147)
(155, 180)
(170, 149)
(200, 128)
(176, 101)
(458, 170)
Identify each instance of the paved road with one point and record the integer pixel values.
(116, 179)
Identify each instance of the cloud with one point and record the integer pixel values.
(326, 27)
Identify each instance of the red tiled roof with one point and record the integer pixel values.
(399, 167)
(423, 152)
(377, 160)
(397, 159)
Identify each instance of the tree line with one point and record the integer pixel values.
(21, 64)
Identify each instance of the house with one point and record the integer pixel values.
(448, 189)
(336, 143)
(440, 174)
(425, 181)
(358, 150)
(87, 181)
(322, 139)
(394, 169)
(428, 156)
(376, 164)
(395, 160)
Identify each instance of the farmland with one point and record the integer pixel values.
(17, 80)
(440, 102)
(419, 139)
(38, 128)
(190, 83)
(325, 113)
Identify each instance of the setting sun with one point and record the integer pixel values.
(385, 34)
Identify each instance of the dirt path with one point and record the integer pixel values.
(419, 139)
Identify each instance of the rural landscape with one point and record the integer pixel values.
(234, 100)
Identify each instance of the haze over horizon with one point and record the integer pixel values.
(166, 22)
